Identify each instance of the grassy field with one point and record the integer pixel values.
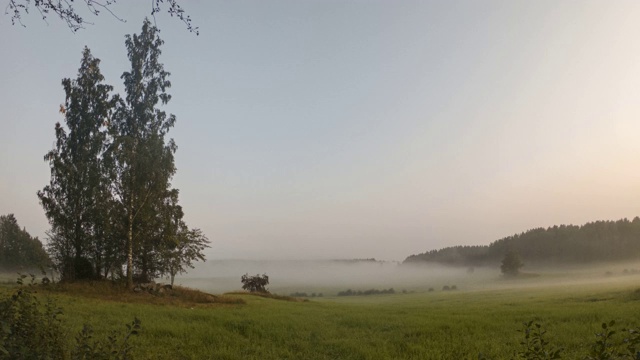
(420, 325)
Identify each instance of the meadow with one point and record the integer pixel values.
(418, 324)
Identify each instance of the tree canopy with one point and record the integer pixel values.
(511, 263)
(599, 241)
(68, 12)
(109, 201)
(18, 249)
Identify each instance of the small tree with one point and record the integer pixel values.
(187, 248)
(511, 263)
(255, 283)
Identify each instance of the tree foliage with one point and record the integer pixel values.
(144, 160)
(186, 248)
(511, 263)
(76, 195)
(109, 201)
(18, 250)
(67, 11)
(256, 283)
(599, 241)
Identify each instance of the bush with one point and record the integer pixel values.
(30, 330)
(255, 283)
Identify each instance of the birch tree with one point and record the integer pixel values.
(144, 161)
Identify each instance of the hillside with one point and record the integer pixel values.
(593, 242)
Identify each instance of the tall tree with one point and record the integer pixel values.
(76, 193)
(144, 161)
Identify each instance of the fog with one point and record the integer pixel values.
(329, 277)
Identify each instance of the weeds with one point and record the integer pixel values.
(534, 346)
(31, 329)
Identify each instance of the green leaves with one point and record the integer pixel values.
(109, 199)
(534, 345)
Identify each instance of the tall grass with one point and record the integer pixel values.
(436, 325)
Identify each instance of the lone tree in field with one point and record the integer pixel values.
(511, 263)
(255, 283)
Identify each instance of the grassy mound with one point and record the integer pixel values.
(109, 291)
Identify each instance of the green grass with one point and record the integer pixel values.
(439, 325)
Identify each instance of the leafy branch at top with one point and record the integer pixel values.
(66, 11)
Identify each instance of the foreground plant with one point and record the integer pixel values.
(31, 329)
(535, 346)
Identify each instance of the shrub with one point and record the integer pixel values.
(30, 329)
(104, 349)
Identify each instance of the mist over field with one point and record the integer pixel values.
(331, 276)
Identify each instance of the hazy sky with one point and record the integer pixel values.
(338, 129)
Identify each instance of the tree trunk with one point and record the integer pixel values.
(130, 248)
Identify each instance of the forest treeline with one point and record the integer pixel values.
(19, 250)
(599, 241)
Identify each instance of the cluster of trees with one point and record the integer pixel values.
(18, 250)
(350, 292)
(598, 241)
(304, 294)
(109, 201)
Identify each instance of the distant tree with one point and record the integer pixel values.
(18, 250)
(75, 198)
(256, 283)
(67, 12)
(511, 263)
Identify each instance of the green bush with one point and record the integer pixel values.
(31, 329)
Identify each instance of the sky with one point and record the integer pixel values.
(322, 129)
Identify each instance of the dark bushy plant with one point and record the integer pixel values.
(32, 330)
(256, 283)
